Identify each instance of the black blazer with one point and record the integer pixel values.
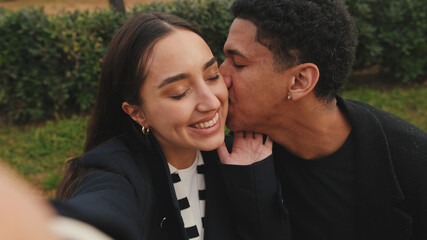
(129, 195)
(390, 174)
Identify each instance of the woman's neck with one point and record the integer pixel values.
(179, 158)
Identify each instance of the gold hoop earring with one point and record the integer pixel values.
(145, 130)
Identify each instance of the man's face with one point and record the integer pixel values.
(256, 90)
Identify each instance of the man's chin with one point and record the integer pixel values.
(233, 125)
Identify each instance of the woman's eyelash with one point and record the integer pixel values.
(177, 97)
(214, 78)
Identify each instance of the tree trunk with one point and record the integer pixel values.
(118, 5)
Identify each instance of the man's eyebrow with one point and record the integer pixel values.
(235, 52)
(172, 79)
(178, 77)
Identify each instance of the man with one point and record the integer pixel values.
(347, 170)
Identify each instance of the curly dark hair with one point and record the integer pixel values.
(321, 32)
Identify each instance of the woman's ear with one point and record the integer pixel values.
(135, 113)
(305, 79)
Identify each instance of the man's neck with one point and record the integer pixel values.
(315, 130)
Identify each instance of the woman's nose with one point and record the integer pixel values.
(208, 101)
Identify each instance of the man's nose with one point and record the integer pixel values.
(223, 69)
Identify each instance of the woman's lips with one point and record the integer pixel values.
(207, 124)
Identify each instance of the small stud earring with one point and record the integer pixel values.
(145, 131)
(289, 97)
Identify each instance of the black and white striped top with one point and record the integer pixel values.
(190, 191)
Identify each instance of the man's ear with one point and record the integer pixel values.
(305, 79)
(135, 113)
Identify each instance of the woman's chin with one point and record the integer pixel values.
(212, 143)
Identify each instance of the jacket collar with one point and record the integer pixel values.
(217, 220)
(218, 223)
(163, 186)
(377, 189)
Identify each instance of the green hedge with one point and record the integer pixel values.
(393, 36)
(50, 65)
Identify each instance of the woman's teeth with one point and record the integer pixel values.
(208, 123)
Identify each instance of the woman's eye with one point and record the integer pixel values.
(214, 78)
(177, 97)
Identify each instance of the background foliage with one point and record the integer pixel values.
(50, 65)
(39, 152)
(392, 35)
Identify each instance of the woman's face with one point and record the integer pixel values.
(184, 98)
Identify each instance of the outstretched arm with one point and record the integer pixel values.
(106, 201)
(24, 214)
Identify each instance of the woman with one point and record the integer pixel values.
(161, 100)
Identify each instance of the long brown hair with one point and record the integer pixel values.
(124, 70)
(123, 73)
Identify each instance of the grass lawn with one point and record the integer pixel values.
(55, 6)
(408, 103)
(39, 151)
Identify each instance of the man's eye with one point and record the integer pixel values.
(177, 97)
(238, 66)
(214, 78)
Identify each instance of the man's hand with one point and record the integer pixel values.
(248, 148)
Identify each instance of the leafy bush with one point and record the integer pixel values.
(393, 35)
(50, 65)
(211, 17)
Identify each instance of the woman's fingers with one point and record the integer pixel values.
(248, 148)
(223, 154)
(238, 135)
(258, 136)
(268, 142)
(252, 138)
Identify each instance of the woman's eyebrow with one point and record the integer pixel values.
(180, 76)
(209, 63)
(172, 79)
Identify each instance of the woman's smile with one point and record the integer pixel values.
(206, 123)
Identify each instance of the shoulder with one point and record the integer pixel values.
(399, 133)
(115, 155)
(113, 146)
(106, 154)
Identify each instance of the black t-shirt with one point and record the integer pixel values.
(319, 193)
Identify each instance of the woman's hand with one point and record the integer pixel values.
(248, 148)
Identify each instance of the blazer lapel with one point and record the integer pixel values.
(218, 222)
(377, 189)
(170, 219)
